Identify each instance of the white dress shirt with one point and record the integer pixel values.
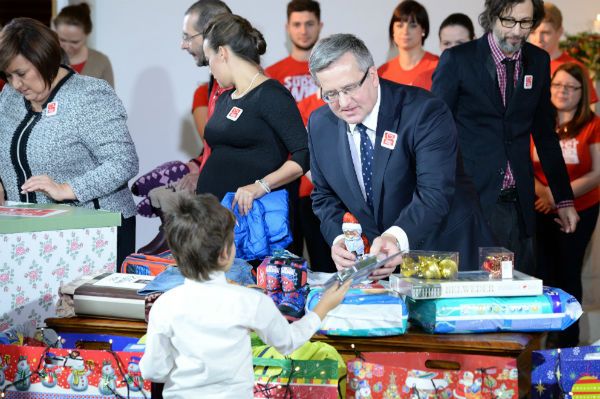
(198, 340)
(370, 123)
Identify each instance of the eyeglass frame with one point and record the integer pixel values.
(513, 22)
(349, 89)
(568, 88)
(188, 40)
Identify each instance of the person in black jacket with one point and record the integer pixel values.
(495, 120)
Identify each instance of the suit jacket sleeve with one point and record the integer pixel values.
(446, 80)
(434, 148)
(547, 143)
(326, 204)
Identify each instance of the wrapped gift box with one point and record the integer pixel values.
(38, 253)
(568, 373)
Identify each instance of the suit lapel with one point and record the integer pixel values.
(388, 119)
(347, 166)
(488, 75)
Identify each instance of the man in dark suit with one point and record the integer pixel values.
(498, 88)
(388, 154)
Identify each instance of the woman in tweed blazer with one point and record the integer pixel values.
(63, 136)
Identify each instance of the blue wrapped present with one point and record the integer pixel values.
(569, 373)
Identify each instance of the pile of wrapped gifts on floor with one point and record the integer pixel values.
(428, 295)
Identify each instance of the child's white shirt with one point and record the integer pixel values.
(198, 340)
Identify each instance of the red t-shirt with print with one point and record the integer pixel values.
(576, 153)
(295, 76)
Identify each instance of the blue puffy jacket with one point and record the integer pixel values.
(265, 228)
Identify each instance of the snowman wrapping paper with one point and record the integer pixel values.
(70, 374)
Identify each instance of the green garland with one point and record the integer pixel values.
(584, 47)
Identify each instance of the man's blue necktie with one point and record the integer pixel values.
(366, 158)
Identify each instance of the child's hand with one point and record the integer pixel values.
(331, 298)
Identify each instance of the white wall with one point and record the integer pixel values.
(156, 79)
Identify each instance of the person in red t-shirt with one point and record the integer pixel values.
(560, 255)
(455, 29)
(303, 27)
(547, 36)
(409, 27)
(195, 20)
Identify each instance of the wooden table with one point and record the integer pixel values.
(514, 345)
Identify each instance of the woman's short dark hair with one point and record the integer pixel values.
(410, 11)
(78, 15)
(583, 113)
(198, 228)
(237, 33)
(494, 8)
(459, 19)
(34, 41)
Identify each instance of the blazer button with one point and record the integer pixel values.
(508, 142)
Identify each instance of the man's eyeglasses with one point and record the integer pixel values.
(560, 86)
(334, 95)
(511, 22)
(188, 39)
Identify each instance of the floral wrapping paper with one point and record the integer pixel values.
(34, 265)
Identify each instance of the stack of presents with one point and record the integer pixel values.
(428, 293)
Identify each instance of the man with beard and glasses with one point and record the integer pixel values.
(498, 88)
(195, 20)
(303, 27)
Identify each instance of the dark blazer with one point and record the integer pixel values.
(490, 135)
(419, 185)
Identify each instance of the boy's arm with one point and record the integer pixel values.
(158, 361)
(275, 330)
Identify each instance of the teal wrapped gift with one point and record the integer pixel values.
(364, 312)
(554, 310)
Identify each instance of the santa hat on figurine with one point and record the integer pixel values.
(350, 222)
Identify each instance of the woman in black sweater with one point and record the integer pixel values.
(256, 134)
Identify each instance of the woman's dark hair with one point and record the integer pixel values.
(198, 228)
(459, 19)
(494, 8)
(583, 113)
(410, 11)
(237, 33)
(34, 41)
(78, 15)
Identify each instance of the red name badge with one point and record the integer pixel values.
(389, 140)
(528, 82)
(51, 108)
(234, 113)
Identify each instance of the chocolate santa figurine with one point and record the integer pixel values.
(355, 241)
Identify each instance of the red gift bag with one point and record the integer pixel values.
(46, 373)
(422, 375)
